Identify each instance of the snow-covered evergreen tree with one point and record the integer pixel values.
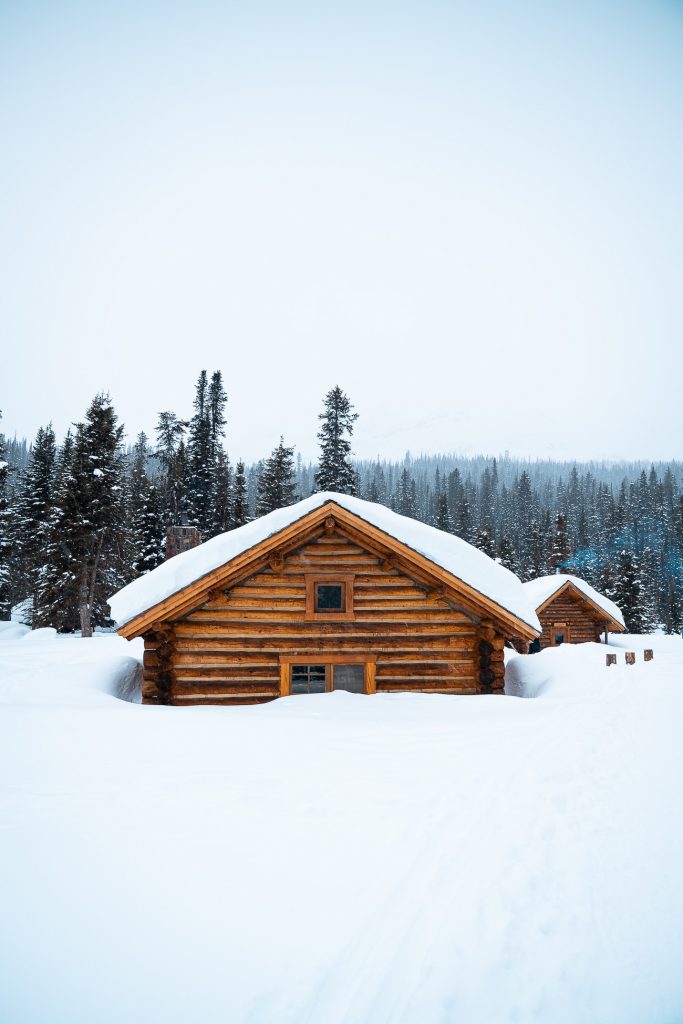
(149, 530)
(56, 594)
(673, 615)
(98, 472)
(482, 539)
(559, 554)
(277, 482)
(442, 518)
(626, 590)
(145, 539)
(5, 549)
(223, 487)
(171, 453)
(240, 505)
(406, 501)
(200, 461)
(33, 510)
(335, 471)
(86, 553)
(506, 554)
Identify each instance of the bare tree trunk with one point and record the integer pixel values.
(87, 592)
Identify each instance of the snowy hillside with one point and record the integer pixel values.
(403, 859)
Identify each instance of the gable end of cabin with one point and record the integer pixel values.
(334, 611)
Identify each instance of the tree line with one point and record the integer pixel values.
(80, 519)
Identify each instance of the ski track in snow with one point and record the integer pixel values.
(336, 859)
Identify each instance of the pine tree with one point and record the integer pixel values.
(483, 540)
(56, 596)
(277, 483)
(673, 618)
(201, 461)
(536, 560)
(222, 500)
(86, 562)
(626, 590)
(33, 509)
(240, 507)
(335, 472)
(442, 518)
(171, 453)
(149, 530)
(559, 555)
(506, 554)
(5, 549)
(98, 477)
(406, 503)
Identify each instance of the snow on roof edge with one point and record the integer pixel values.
(449, 552)
(544, 587)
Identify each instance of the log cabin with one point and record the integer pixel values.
(571, 611)
(332, 593)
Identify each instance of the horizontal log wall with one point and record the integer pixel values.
(581, 620)
(227, 651)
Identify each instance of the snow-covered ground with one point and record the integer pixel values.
(341, 858)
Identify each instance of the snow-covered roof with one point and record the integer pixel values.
(544, 587)
(456, 556)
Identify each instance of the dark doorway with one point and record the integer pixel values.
(349, 677)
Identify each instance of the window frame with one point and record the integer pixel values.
(369, 661)
(346, 580)
(560, 627)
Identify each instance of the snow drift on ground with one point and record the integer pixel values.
(451, 553)
(341, 859)
(539, 590)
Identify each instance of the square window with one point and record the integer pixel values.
(308, 679)
(329, 597)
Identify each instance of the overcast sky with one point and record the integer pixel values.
(469, 215)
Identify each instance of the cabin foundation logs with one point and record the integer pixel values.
(491, 659)
(157, 685)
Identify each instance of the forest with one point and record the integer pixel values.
(81, 518)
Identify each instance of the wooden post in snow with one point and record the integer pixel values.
(610, 659)
(630, 657)
(648, 654)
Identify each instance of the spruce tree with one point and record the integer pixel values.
(536, 560)
(277, 483)
(5, 548)
(335, 472)
(149, 530)
(145, 540)
(171, 453)
(442, 518)
(33, 510)
(222, 499)
(406, 503)
(626, 590)
(673, 617)
(506, 554)
(200, 461)
(87, 537)
(98, 480)
(240, 506)
(483, 540)
(559, 554)
(56, 595)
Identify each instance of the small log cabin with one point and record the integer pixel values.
(571, 611)
(333, 593)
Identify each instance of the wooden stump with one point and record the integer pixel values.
(630, 657)
(610, 659)
(648, 654)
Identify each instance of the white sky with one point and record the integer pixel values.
(469, 215)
